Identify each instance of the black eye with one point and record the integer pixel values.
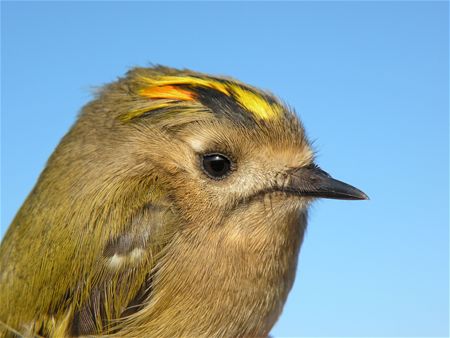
(216, 166)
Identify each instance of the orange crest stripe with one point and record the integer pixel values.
(167, 92)
(173, 89)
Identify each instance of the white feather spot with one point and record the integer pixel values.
(116, 261)
(196, 144)
(136, 254)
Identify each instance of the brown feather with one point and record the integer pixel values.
(124, 235)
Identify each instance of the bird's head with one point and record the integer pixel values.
(191, 187)
(212, 144)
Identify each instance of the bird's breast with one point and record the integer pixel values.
(228, 280)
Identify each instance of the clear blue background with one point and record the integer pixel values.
(370, 82)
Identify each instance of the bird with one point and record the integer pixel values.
(175, 206)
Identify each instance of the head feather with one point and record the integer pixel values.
(195, 89)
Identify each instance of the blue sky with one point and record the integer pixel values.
(368, 79)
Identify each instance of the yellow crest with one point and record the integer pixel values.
(168, 90)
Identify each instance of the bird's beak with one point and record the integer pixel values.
(313, 181)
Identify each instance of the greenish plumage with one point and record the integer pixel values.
(126, 233)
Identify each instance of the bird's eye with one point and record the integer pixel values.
(216, 166)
